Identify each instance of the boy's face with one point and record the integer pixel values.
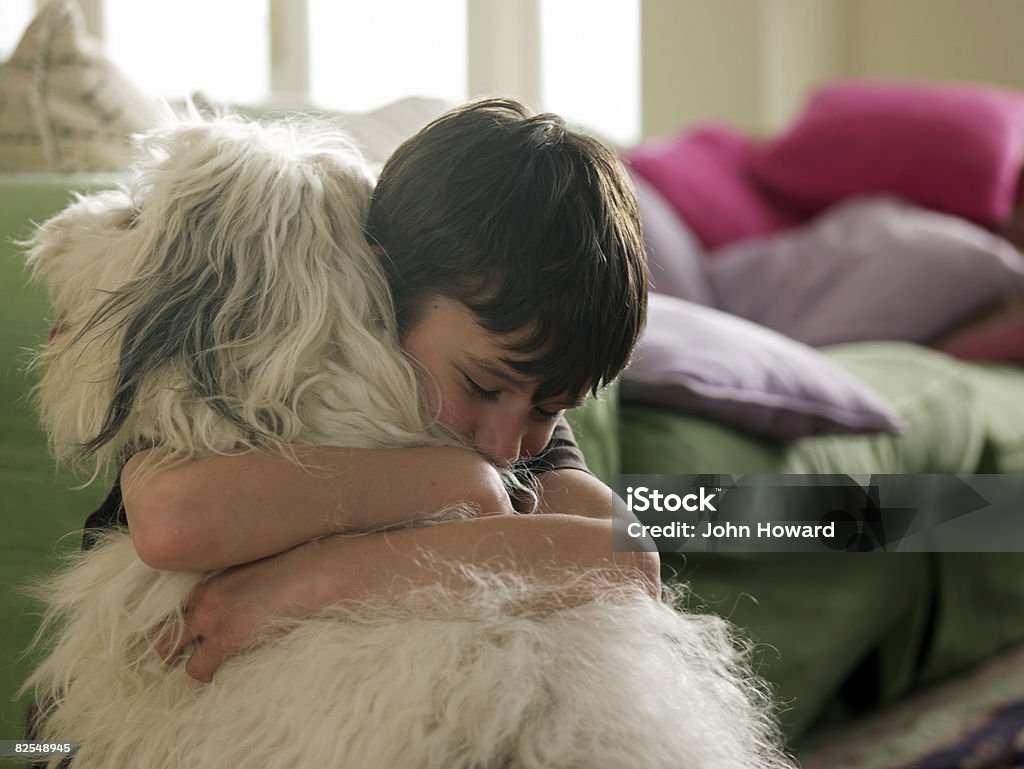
(476, 395)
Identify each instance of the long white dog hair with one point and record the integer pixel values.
(227, 299)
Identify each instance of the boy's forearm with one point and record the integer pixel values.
(388, 564)
(226, 510)
(227, 609)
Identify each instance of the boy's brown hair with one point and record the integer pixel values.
(531, 225)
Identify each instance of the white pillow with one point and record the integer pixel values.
(379, 132)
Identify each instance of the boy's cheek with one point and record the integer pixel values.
(454, 414)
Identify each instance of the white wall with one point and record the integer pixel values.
(940, 39)
(699, 59)
(752, 62)
(804, 42)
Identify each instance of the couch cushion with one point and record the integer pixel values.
(996, 391)
(64, 106)
(995, 339)
(675, 257)
(705, 361)
(41, 509)
(704, 173)
(954, 148)
(595, 426)
(824, 621)
(867, 269)
(929, 391)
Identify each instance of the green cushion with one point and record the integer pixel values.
(595, 426)
(979, 595)
(929, 390)
(857, 621)
(997, 393)
(40, 509)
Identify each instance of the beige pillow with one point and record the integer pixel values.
(63, 105)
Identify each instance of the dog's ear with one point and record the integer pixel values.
(82, 254)
(72, 251)
(251, 239)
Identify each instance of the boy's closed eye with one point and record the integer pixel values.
(492, 395)
(478, 390)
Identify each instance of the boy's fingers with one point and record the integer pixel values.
(160, 637)
(204, 663)
(171, 640)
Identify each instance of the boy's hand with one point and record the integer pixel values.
(224, 611)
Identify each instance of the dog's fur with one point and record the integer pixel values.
(227, 299)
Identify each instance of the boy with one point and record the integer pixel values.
(512, 246)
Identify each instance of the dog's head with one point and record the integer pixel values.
(225, 298)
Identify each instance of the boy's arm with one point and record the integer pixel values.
(575, 492)
(230, 509)
(225, 610)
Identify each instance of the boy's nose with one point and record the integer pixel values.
(501, 444)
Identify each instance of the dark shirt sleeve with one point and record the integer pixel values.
(561, 453)
(109, 515)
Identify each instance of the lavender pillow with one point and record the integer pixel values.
(675, 256)
(700, 359)
(868, 269)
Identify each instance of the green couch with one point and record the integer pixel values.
(833, 633)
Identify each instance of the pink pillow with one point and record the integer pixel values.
(704, 173)
(1000, 340)
(956, 149)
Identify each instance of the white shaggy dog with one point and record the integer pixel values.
(227, 299)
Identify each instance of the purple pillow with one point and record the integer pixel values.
(704, 174)
(699, 359)
(675, 257)
(956, 149)
(868, 269)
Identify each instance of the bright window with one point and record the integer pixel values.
(360, 54)
(590, 64)
(15, 15)
(365, 54)
(220, 48)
